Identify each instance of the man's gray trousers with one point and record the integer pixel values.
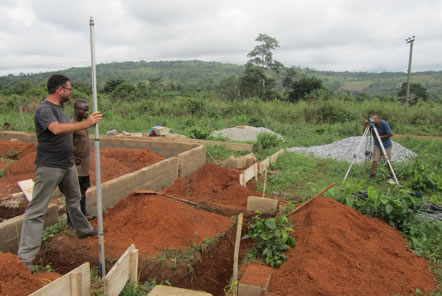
(46, 180)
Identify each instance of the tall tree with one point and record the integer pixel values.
(262, 55)
(255, 81)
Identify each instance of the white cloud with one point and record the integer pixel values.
(328, 35)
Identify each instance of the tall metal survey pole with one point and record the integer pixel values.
(97, 156)
(411, 41)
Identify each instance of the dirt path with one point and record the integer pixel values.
(416, 136)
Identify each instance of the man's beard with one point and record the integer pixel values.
(63, 100)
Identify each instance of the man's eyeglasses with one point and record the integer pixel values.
(67, 88)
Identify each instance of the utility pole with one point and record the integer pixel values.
(411, 41)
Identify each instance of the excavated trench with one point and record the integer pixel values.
(187, 246)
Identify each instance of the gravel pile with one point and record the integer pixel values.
(244, 133)
(344, 150)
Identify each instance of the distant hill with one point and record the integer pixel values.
(387, 83)
(191, 73)
(205, 74)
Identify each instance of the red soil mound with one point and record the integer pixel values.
(212, 185)
(152, 223)
(114, 163)
(17, 280)
(341, 252)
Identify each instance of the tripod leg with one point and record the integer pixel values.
(387, 157)
(357, 150)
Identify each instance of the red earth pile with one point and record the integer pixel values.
(341, 252)
(214, 186)
(17, 280)
(153, 223)
(114, 163)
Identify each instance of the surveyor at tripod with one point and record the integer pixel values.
(385, 133)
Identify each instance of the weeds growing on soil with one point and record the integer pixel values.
(54, 230)
(272, 237)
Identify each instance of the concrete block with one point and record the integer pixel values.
(161, 290)
(249, 290)
(241, 162)
(256, 279)
(268, 206)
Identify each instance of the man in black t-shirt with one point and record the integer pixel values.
(54, 167)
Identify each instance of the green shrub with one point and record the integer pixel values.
(272, 237)
(396, 206)
(423, 178)
(266, 141)
(196, 132)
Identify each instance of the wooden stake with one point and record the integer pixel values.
(150, 192)
(236, 253)
(316, 195)
(265, 183)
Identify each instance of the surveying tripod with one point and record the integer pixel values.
(371, 126)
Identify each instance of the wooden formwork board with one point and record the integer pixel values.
(125, 269)
(75, 283)
(248, 174)
(258, 168)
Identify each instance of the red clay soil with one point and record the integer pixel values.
(341, 252)
(114, 163)
(17, 280)
(214, 186)
(152, 223)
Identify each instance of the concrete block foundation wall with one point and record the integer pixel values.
(191, 160)
(11, 228)
(152, 177)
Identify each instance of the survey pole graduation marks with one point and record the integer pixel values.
(97, 156)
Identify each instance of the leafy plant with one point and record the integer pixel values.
(396, 206)
(54, 230)
(196, 132)
(41, 267)
(423, 178)
(266, 141)
(425, 238)
(134, 289)
(2, 173)
(272, 236)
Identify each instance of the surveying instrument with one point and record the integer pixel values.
(371, 127)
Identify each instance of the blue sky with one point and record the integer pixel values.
(340, 35)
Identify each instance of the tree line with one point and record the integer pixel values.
(262, 77)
